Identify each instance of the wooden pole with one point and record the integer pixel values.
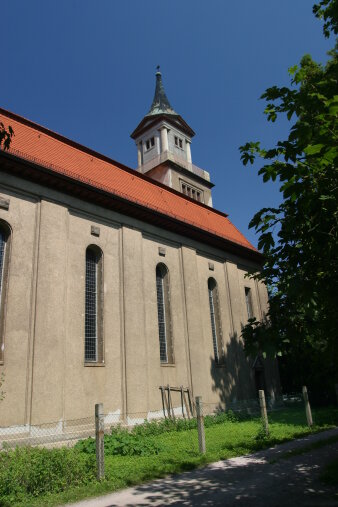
(190, 404)
(166, 402)
(171, 403)
(99, 435)
(264, 414)
(307, 407)
(182, 402)
(200, 425)
(187, 406)
(162, 395)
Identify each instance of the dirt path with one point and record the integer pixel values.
(263, 479)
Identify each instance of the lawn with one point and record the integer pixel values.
(176, 451)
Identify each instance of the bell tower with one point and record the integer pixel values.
(163, 141)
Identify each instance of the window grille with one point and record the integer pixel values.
(4, 262)
(161, 317)
(3, 239)
(248, 301)
(163, 313)
(216, 329)
(93, 306)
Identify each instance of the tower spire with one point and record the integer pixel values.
(160, 103)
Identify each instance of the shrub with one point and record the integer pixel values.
(151, 428)
(221, 417)
(29, 471)
(135, 442)
(122, 443)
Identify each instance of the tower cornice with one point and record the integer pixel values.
(151, 121)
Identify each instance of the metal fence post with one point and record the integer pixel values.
(307, 407)
(99, 435)
(264, 414)
(200, 424)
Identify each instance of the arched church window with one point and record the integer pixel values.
(215, 317)
(94, 305)
(5, 236)
(164, 314)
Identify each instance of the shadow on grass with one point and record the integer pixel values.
(295, 416)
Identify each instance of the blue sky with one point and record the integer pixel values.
(86, 69)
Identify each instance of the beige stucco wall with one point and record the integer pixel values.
(46, 379)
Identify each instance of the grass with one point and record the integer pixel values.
(177, 451)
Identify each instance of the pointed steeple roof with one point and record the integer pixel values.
(161, 109)
(161, 104)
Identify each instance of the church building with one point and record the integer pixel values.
(120, 286)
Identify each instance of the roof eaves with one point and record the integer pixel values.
(201, 232)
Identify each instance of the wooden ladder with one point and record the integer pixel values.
(168, 409)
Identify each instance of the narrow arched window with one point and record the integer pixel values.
(5, 235)
(164, 314)
(94, 305)
(216, 328)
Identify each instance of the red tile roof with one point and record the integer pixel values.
(51, 150)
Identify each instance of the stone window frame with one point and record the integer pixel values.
(215, 321)
(164, 308)
(98, 360)
(6, 232)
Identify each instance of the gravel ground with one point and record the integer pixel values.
(263, 479)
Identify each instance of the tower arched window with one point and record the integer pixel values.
(5, 237)
(215, 317)
(164, 314)
(94, 305)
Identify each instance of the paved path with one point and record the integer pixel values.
(263, 479)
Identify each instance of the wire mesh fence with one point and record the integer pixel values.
(68, 432)
(57, 433)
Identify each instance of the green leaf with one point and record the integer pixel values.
(313, 149)
(292, 70)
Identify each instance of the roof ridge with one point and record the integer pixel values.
(105, 158)
(51, 156)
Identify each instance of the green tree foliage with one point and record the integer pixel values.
(5, 136)
(328, 11)
(299, 239)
